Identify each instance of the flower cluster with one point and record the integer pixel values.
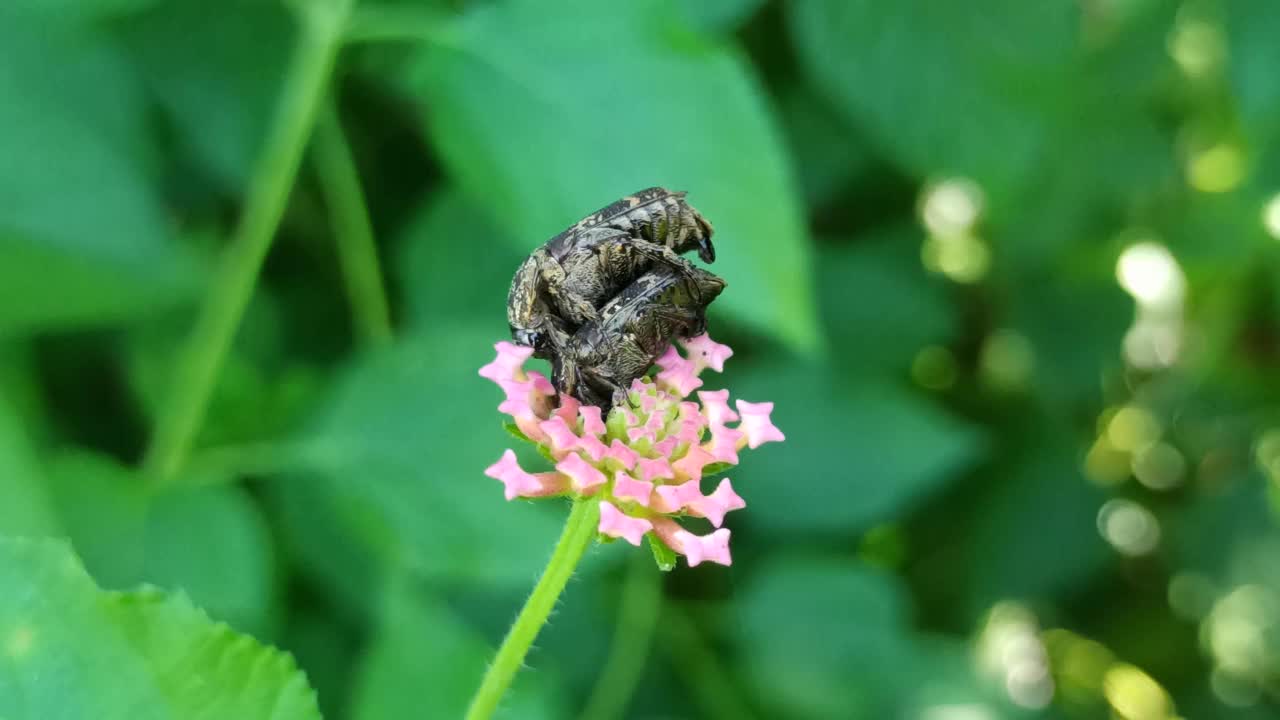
(645, 461)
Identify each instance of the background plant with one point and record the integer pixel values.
(1008, 268)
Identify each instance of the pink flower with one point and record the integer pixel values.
(707, 352)
(678, 375)
(757, 425)
(519, 483)
(644, 462)
(584, 476)
(615, 523)
(626, 487)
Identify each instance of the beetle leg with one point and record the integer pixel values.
(663, 255)
(600, 389)
(574, 307)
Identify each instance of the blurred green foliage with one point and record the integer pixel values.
(1009, 270)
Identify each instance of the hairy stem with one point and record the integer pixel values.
(579, 530)
(637, 616)
(349, 218)
(205, 351)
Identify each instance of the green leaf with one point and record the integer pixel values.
(941, 88)
(879, 305)
(210, 542)
(216, 70)
(1252, 27)
(815, 633)
(664, 556)
(1021, 549)
(82, 9)
(620, 122)
(821, 637)
(82, 231)
(450, 233)
(73, 651)
(403, 442)
(25, 508)
(854, 455)
(720, 15)
(422, 650)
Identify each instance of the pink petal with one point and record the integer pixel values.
(690, 466)
(757, 425)
(625, 456)
(666, 446)
(696, 549)
(715, 405)
(507, 366)
(615, 523)
(627, 487)
(714, 506)
(584, 476)
(635, 433)
(709, 548)
(707, 351)
(724, 444)
(592, 424)
(678, 375)
(540, 384)
(512, 476)
(591, 445)
(528, 425)
(690, 412)
(648, 403)
(568, 409)
(672, 498)
(562, 437)
(688, 433)
(655, 469)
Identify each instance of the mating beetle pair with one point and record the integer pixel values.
(604, 298)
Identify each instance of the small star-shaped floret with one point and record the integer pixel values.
(615, 523)
(757, 425)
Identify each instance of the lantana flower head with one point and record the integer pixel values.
(646, 460)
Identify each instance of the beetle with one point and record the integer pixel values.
(562, 284)
(598, 362)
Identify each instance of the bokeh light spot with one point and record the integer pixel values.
(1159, 467)
(963, 258)
(1217, 169)
(951, 207)
(20, 642)
(1191, 595)
(1007, 360)
(1129, 527)
(1133, 428)
(1197, 46)
(1105, 464)
(1271, 217)
(1134, 695)
(934, 367)
(1267, 452)
(1009, 648)
(1150, 273)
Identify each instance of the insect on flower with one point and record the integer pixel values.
(598, 363)
(563, 283)
(644, 462)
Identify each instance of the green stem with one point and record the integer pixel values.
(349, 217)
(395, 23)
(206, 348)
(579, 530)
(637, 616)
(708, 682)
